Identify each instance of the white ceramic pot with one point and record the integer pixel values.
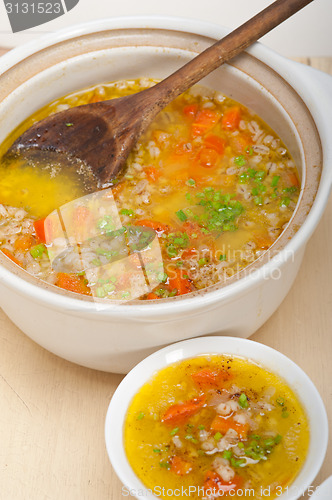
(265, 356)
(295, 100)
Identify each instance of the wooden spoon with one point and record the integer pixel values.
(102, 134)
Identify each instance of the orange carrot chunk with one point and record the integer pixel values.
(24, 242)
(159, 227)
(208, 157)
(205, 120)
(152, 173)
(152, 296)
(292, 180)
(242, 143)
(11, 257)
(263, 241)
(231, 118)
(210, 378)
(39, 226)
(73, 283)
(221, 424)
(192, 228)
(188, 253)
(214, 142)
(190, 110)
(179, 413)
(180, 466)
(81, 214)
(116, 190)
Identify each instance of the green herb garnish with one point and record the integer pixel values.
(280, 401)
(240, 161)
(165, 465)
(217, 436)
(191, 182)
(181, 215)
(37, 251)
(285, 202)
(127, 211)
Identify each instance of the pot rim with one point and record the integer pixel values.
(289, 70)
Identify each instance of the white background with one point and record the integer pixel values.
(308, 33)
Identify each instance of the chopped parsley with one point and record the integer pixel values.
(181, 215)
(243, 401)
(219, 213)
(240, 161)
(176, 242)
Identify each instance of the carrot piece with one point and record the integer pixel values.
(242, 143)
(181, 149)
(179, 282)
(39, 226)
(11, 257)
(231, 118)
(82, 220)
(210, 378)
(214, 142)
(190, 110)
(152, 173)
(180, 466)
(292, 180)
(24, 242)
(81, 215)
(179, 413)
(263, 241)
(221, 424)
(192, 228)
(117, 188)
(188, 253)
(159, 227)
(208, 157)
(214, 484)
(205, 120)
(152, 296)
(206, 377)
(73, 283)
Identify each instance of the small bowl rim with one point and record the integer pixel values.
(248, 349)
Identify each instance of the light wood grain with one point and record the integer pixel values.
(52, 412)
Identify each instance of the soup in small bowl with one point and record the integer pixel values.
(216, 417)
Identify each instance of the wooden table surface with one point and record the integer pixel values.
(52, 412)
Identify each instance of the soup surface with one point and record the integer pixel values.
(207, 190)
(220, 425)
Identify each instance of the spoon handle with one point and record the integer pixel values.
(225, 49)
